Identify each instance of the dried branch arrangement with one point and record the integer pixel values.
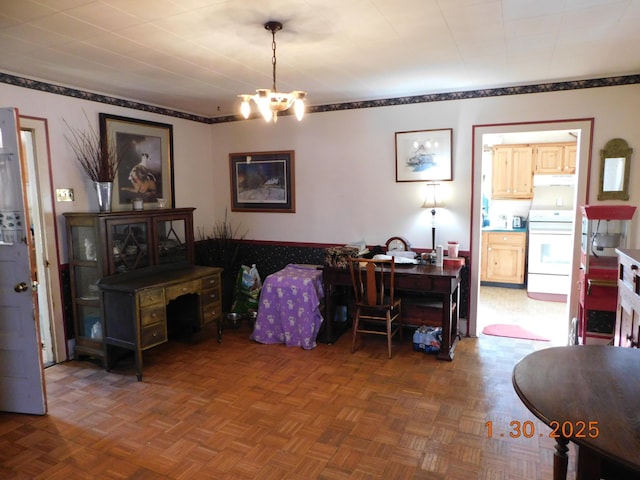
(98, 160)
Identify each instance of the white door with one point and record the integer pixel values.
(21, 369)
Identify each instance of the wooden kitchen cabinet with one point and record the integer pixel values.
(503, 257)
(512, 173)
(570, 154)
(627, 328)
(102, 244)
(558, 159)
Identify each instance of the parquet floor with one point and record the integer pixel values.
(241, 410)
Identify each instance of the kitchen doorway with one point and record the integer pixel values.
(492, 302)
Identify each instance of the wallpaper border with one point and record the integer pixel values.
(386, 102)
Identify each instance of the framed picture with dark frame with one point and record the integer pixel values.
(145, 155)
(424, 155)
(263, 181)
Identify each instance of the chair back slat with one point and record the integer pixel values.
(372, 290)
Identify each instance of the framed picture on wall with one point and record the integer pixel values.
(145, 153)
(263, 182)
(424, 155)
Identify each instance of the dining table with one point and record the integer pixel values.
(441, 283)
(588, 395)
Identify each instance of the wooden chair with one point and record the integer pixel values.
(378, 312)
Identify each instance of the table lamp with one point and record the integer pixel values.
(433, 200)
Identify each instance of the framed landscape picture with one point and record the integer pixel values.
(145, 153)
(424, 155)
(263, 182)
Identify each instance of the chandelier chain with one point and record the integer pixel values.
(273, 59)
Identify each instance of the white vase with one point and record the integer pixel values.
(104, 191)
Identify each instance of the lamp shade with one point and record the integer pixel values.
(433, 196)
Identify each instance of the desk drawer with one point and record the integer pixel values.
(211, 296)
(153, 335)
(151, 296)
(174, 292)
(151, 315)
(421, 283)
(211, 313)
(211, 281)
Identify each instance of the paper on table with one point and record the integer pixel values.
(396, 259)
(402, 253)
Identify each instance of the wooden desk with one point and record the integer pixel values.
(135, 305)
(596, 385)
(442, 283)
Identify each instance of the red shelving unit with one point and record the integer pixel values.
(604, 228)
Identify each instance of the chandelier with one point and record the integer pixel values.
(270, 102)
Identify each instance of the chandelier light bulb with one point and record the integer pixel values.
(298, 107)
(245, 108)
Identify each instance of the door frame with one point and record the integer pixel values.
(46, 199)
(583, 170)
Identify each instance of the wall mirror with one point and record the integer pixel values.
(615, 162)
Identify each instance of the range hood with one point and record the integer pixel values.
(553, 180)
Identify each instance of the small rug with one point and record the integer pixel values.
(512, 331)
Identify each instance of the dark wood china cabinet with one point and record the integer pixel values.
(101, 244)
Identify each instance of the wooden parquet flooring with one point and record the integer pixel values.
(241, 410)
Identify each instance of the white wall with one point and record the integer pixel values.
(345, 163)
(192, 151)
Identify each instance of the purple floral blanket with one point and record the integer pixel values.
(289, 308)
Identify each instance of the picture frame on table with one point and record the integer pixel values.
(424, 155)
(144, 150)
(263, 181)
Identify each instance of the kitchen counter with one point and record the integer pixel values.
(502, 229)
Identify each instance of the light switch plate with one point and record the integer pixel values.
(64, 194)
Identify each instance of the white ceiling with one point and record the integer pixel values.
(195, 56)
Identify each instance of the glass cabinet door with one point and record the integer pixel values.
(171, 241)
(89, 322)
(86, 283)
(130, 249)
(84, 243)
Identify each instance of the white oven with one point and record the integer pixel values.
(550, 251)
